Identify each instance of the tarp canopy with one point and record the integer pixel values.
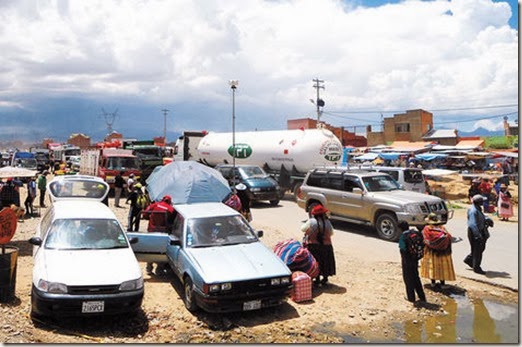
(10, 171)
(367, 156)
(188, 182)
(430, 156)
(507, 154)
(390, 155)
(438, 172)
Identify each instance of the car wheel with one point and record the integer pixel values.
(387, 228)
(189, 299)
(274, 202)
(297, 189)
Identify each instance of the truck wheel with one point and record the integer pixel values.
(387, 228)
(189, 299)
(274, 202)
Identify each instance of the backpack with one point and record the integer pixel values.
(142, 201)
(415, 244)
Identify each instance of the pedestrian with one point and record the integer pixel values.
(135, 198)
(485, 189)
(478, 234)
(42, 186)
(119, 182)
(437, 264)
(161, 216)
(31, 195)
(411, 246)
(130, 183)
(474, 189)
(505, 206)
(318, 240)
(242, 194)
(8, 194)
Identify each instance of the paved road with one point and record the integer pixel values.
(500, 260)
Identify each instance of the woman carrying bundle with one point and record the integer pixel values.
(437, 263)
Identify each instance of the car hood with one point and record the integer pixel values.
(259, 182)
(89, 267)
(405, 197)
(237, 262)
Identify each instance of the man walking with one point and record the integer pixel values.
(411, 245)
(42, 186)
(477, 234)
(119, 182)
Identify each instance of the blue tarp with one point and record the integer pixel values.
(188, 182)
(391, 155)
(430, 156)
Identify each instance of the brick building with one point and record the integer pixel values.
(410, 126)
(347, 138)
(80, 140)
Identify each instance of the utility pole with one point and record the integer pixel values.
(165, 111)
(318, 101)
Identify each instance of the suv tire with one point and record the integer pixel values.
(387, 228)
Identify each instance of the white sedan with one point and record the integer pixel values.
(83, 261)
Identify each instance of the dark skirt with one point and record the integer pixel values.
(324, 255)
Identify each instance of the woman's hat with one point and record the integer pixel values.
(433, 218)
(318, 209)
(241, 186)
(167, 199)
(138, 186)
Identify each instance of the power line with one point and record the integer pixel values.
(434, 110)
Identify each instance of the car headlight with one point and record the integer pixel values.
(51, 287)
(132, 285)
(279, 281)
(411, 208)
(219, 287)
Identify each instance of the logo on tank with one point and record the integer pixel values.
(331, 150)
(242, 150)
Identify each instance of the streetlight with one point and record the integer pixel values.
(233, 85)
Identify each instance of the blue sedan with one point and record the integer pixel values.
(219, 260)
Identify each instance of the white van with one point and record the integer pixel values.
(409, 178)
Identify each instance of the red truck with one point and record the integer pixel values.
(108, 162)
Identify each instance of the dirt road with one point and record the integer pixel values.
(363, 301)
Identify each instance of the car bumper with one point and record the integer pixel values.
(420, 219)
(272, 195)
(242, 302)
(62, 305)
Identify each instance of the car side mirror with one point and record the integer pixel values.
(35, 241)
(358, 191)
(259, 233)
(174, 241)
(133, 240)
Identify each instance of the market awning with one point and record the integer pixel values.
(470, 144)
(406, 146)
(438, 172)
(390, 155)
(430, 156)
(507, 154)
(366, 156)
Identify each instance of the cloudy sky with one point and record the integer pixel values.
(77, 66)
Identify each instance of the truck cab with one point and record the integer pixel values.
(106, 163)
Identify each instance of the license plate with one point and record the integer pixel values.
(93, 306)
(252, 305)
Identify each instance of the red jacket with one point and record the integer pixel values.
(160, 216)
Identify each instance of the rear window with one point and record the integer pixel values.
(413, 176)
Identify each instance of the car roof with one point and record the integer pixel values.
(81, 209)
(204, 210)
(362, 172)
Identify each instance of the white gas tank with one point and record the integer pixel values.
(304, 149)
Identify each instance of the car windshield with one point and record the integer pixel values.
(77, 189)
(382, 183)
(252, 172)
(76, 234)
(413, 176)
(218, 231)
(123, 163)
(26, 163)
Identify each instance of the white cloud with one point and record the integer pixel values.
(414, 54)
(489, 124)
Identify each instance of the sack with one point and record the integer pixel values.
(142, 201)
(504, 205)
(415, 244)
(296, 257)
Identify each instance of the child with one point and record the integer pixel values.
(411, 246)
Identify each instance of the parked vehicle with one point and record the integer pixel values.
(149, 154)
(64, 152)
(219, 259)
(83, 261)
(260, 186)
(285, 154)
(369, 198)
(26, 160)
(409, 178)
(187, 144)
(106, 163)
(42, 158)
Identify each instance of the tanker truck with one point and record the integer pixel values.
(287, 155)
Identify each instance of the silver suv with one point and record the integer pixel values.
(368, 198)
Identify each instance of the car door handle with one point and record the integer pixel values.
(345, 196)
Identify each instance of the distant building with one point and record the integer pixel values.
(510, 129)
(80, 140)
(113, 136)
(46, 142)
(446, 137)
(409, 126)
(347, 138)
(159, 141)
